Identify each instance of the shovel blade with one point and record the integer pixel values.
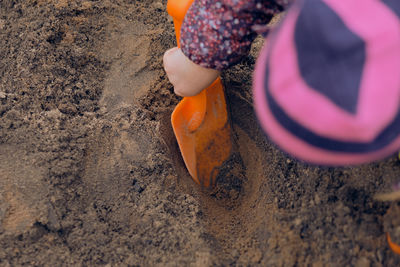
(206, 144)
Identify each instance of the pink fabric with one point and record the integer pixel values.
(318, 113)
(330, 121)
(294, 146)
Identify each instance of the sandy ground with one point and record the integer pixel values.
(91, 174)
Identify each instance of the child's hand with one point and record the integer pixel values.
(188, 78)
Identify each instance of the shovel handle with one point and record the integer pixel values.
(177, 10)
(195, 104)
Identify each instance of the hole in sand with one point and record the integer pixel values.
(225, 208)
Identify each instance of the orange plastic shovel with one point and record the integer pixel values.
(200, 122)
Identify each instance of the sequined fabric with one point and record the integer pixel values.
(218, 33)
